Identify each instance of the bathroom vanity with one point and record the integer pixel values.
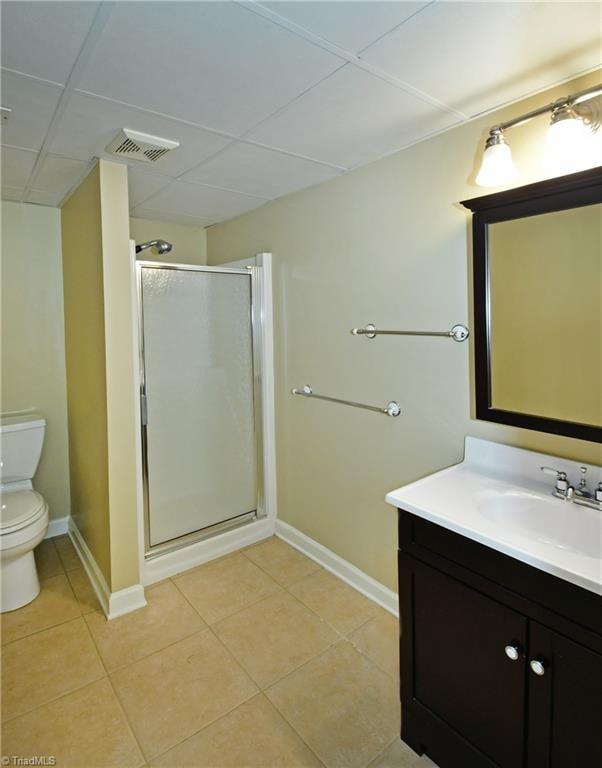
(500, 588)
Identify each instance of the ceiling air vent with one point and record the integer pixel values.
(133, 145)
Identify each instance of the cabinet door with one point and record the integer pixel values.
(461, 671)
(565, 703)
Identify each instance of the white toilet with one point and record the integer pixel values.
(24, 514)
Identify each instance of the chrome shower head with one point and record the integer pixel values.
(162, 246)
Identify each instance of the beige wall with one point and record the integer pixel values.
(189, 242)
(86, 365)
(545, 282)
(119, 355)
(100, 383)
(388, 244)
(33, 342)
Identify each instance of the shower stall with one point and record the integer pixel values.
(201, 340)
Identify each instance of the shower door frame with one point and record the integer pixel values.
(257, 302)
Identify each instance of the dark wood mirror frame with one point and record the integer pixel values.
(563, 193)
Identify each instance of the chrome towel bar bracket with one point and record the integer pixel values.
(457, 332)
(391, 409)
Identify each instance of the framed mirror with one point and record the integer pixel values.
(537, 270)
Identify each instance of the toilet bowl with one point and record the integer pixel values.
(23, 525)
(23, 513)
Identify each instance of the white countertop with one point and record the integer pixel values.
(499, 497)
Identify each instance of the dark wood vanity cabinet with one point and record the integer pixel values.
(465, 701)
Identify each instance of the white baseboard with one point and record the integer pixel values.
(345, 571)
(126, 600)
(112, 603)
(171, 563)
(57, 527)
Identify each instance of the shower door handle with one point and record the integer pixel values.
(143, 410)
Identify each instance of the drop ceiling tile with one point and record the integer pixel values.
(17, 165)
(259, 171)
(59, 175)
(205, 204)
(350, 25)
(14, 194)
(212, 63)
(498, 52)
(89, 124)
(33, 103)
(142, 185)
(350, 119)
(44, 38)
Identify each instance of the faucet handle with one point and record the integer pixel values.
(598, 493)
(583, 480)
(562, 484)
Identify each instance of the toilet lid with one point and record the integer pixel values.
(19, 508)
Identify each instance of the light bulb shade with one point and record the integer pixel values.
(570, 146)
(497, 168)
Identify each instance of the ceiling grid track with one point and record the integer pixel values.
(351, 58)
(224, 162)
(241, 139)
(216, 132)
(98, 24)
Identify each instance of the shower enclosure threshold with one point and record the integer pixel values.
(206, 533)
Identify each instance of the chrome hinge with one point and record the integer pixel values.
(143, 410)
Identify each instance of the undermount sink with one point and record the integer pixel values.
(551, 521)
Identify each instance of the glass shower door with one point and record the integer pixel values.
(199, 439)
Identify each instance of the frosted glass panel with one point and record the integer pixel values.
(201, 451)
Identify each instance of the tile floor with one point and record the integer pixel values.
(258, 660)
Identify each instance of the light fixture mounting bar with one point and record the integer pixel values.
(568, 101)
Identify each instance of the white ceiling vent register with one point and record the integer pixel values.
(133, 145)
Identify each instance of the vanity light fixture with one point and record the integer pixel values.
(498, 166)
(572, 125)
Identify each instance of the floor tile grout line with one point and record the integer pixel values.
(208, 725)
(282, 714)
(114, 670)
(303, 578)
(90, 610)
(50, 626)
(305, 663)
(111, 671)
(339, 635)
(107, 676)
(289, 584)
(126, 666)
(248, 605)
(326, 650)
(127, 720)
(319, 759)
(54, 549)
(263, 688)
(393, 678)
(54, 700)
(258, 692)
(255, 603)
(381, 754)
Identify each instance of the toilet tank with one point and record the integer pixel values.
(21, 440)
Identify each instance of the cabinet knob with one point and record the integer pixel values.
(537, 667)
(511, 652)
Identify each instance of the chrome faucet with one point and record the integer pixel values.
(562, 488)
(580, 495)
(581, 489)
